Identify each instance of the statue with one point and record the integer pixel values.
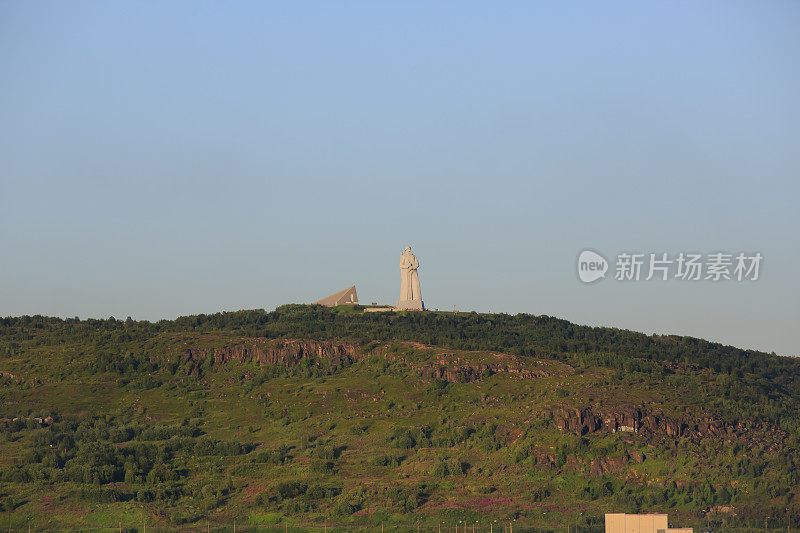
(410, 294)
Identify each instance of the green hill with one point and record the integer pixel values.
(307, 416)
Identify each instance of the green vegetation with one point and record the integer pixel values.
(109, 421)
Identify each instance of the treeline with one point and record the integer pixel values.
(522, 334)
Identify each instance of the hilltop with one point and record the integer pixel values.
(310, 415)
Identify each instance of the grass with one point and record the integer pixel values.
(343, 431)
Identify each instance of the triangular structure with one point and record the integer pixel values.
(345, 297)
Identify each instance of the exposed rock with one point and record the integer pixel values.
(287, 352)
(724, 509)
(582, 421)
(633, 419)
(10, 376)
(454, 374)
(606, 465)
(465, 367)
(272, 352)
(441, 364)
(577, 421)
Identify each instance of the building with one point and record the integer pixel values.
(640, 523)
(346, 297)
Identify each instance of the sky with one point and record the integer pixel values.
(159, 159)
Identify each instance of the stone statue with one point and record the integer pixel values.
(410, 294)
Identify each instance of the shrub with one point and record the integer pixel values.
(8, 503)
(359, 429)
(403, 438)
(291, 489)
(540, 494)
(319, 466)
(344, 508)
(450, 467)
(297, 506)
(326, 452)
(388, 460)
(319, 492)
(278, 456)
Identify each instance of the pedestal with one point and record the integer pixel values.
(410, 305)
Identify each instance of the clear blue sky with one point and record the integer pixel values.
(169, 158)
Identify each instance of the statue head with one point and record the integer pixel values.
(408, 249)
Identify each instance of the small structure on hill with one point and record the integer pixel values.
(346, 297)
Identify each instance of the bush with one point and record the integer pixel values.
(403, 438)
(178, 517)
(320, 492)
(326, 452)
(291, 489)
(319, 466)
(450, 467)
(349, 503)
(278, 456)
(95, 495)
(411, 437)
(297, 506)
(540, 494)
(8, 503)
(359, 429)
(407, 499)
(449, 437)
(344, 508)
(388, 460)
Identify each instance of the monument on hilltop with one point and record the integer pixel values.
(410, 294)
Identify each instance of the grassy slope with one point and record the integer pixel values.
(356, 435)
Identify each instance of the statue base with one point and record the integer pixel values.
(410, 305)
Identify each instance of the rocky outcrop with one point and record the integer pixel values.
(607, 465)
(464, 372)
(547, 459)
(272, 352)
(9, 376)
(465, 367)
(635, 419)
(454, 373)
(585, 420)
(578, 421)
(287, 352)
(437, 363)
